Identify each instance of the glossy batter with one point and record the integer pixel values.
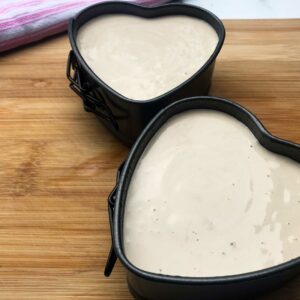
(206, 199)
(145, 58)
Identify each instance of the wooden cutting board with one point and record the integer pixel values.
(58, 163)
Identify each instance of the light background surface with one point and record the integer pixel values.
(251, 9)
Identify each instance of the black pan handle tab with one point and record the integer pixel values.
(84, 90)
(71, 65)
(112, 257)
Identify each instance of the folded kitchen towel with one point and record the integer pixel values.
(25, 21)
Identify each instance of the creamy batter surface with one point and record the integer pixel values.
(206, 199)
(144, 58)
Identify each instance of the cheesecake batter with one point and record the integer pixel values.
(144, 58)
(206, 199)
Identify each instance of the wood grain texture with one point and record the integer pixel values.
(58, 163)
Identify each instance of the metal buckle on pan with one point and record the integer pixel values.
(84, 91)
(112, 257)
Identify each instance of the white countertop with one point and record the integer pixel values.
(251, 9)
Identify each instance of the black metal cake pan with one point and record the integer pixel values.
(151, 286)
(125, 117)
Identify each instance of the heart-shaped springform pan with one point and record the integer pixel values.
(207, 205)
(108, 38)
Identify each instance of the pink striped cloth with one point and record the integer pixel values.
(25, 21)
